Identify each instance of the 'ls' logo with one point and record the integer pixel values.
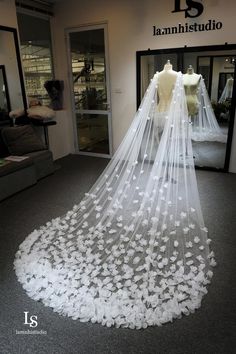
(197, 6)
(33, 320)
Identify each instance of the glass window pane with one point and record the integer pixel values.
(204, 69)
(36, 55)
(93, 133)
(88, 69)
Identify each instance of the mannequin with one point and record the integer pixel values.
(191, 82)
(166, 81)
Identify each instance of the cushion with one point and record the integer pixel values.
(21, 140)
(17, 113)
(11, 167)
(40, 112)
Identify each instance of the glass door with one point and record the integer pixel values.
(90, 89)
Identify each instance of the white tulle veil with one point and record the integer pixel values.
(228, 91)
(135, 251)
(204, 125)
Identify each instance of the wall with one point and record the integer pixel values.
(8, 13)
(130, 29)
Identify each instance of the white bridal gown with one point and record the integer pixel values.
(135, 251)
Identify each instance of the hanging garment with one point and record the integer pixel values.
(228, 91)
(204, 125)
(135, 251)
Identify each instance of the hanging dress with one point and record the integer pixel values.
(228, 91)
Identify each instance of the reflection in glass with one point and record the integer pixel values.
(216, 67)
(4, 97)
(204, 66)
(8, 58)
(93, 133)
(220, 68)
(88, 68)
(225, 87)
(36, 55)
(88, 63)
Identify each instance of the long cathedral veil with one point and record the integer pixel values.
(134, 252)
(205, 126)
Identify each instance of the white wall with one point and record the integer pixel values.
(130, 29)
(8, 13)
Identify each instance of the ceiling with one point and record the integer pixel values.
(48, 1)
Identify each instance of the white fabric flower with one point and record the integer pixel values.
(145, 222)
(204, 229)
(176, 243)
(186, 230)
(196, 239)
(136, 260)
(189, 244)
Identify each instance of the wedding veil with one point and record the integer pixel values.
(135, 251)
(205, 126)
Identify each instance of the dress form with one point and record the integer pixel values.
(191, 82)
(166, 81)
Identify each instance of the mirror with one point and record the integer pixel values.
(11, 71)
(216, 65)
(5, 106)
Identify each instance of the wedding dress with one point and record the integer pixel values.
(135, 251)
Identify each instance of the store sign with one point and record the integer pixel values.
(193, 9)
(192, 6)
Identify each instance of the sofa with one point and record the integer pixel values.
(16, 176)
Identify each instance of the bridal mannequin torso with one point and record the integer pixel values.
(166, 83)
(191, 82)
